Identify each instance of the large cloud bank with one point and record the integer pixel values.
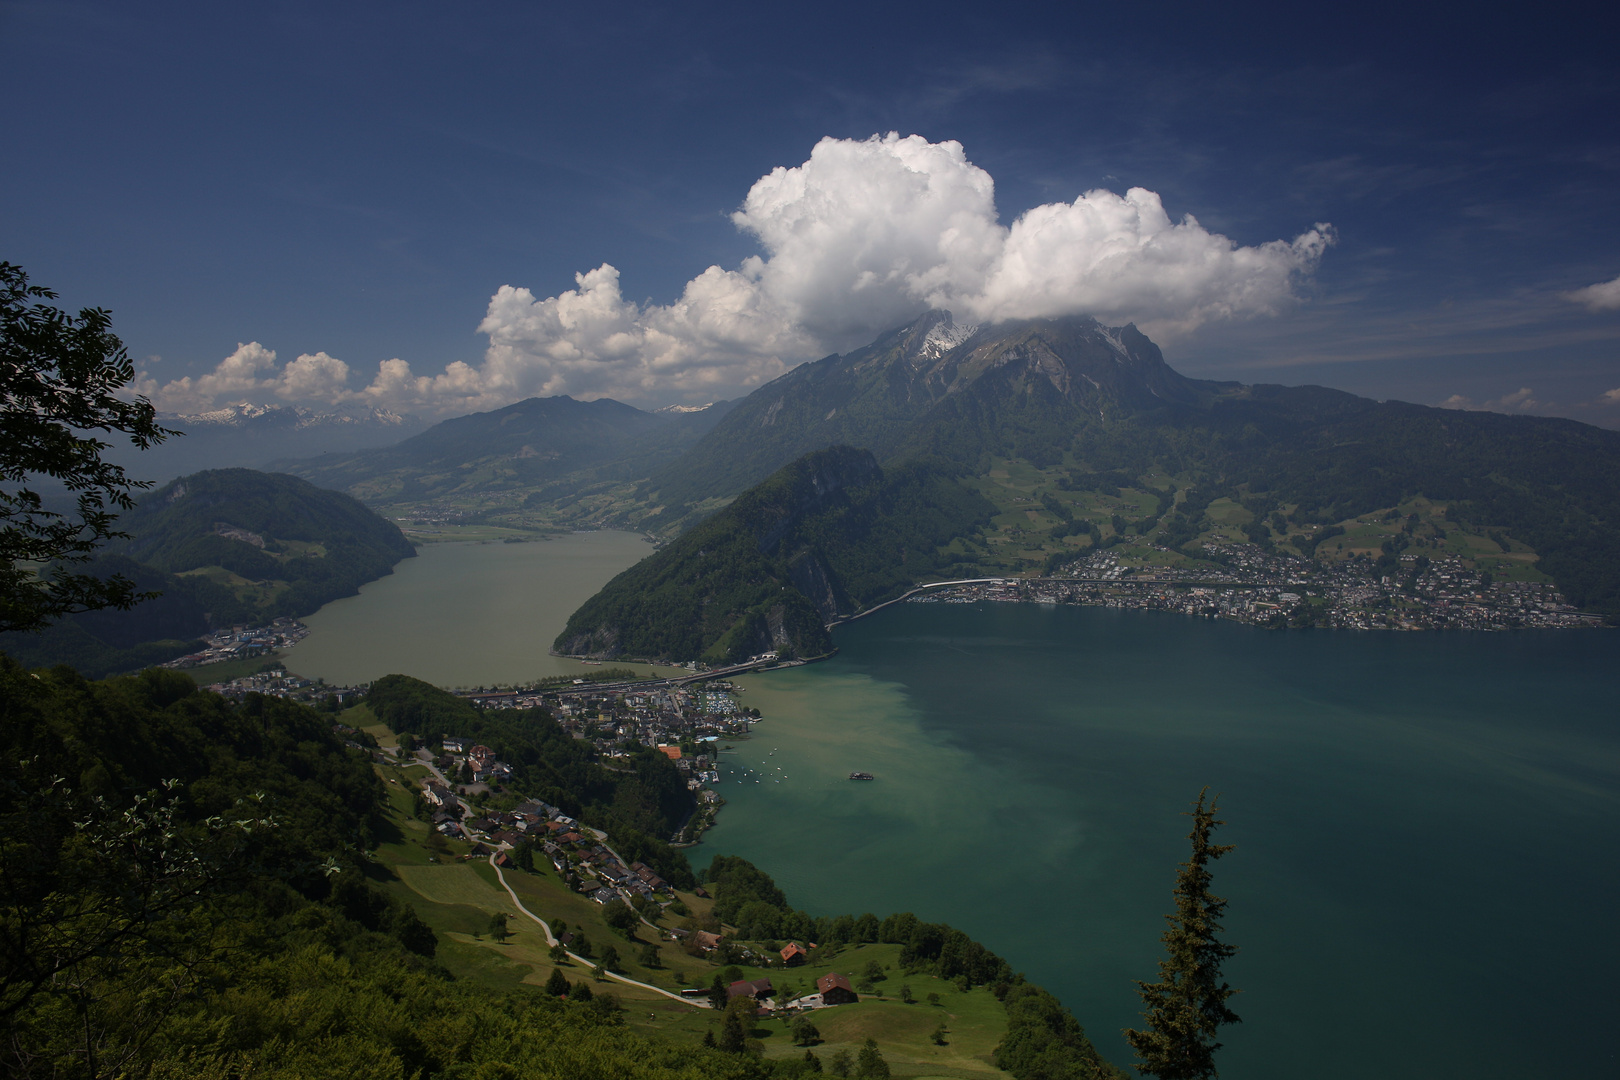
(862, 237)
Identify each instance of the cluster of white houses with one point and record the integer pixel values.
(477, 759)
(1268, 588)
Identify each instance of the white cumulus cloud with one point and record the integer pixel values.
(862, 237)
(1604, 296)
(1520, 400)
(252, 374)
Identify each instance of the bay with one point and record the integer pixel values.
(1426, 824)
(1426, 870)
(466, 614)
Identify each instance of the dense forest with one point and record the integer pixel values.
(223, 547)
(825, 537)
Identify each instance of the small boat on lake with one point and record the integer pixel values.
(861, 776)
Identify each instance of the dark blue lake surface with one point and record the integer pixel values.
(1425, 883)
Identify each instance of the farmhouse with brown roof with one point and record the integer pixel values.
(758, 989)
(835, 990)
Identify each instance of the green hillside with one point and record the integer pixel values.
(196, 902)
(195, 887)
(503, 465)
(223, 547)
(641, 799)
(824, 538)
(1089, 408)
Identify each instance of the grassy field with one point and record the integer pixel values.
(974, 1020)
(456, 896)
(1018, 539)
(1020, 532)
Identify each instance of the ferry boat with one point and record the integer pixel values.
(861, 776)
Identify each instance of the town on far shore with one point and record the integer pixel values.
(1278, 590)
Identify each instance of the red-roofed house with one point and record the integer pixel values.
(794, 954)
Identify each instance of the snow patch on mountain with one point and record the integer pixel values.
(946, 335)
(241, 413)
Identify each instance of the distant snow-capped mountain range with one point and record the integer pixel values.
(248, 435)
(244, 413)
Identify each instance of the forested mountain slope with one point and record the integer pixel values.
(826, 537)
(532, 442)
(1079, 401)
(185, 891)
(224, 547)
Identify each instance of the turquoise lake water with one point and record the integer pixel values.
(1428, 854)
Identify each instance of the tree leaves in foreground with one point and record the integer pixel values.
(1187, 1005)
(59, 382)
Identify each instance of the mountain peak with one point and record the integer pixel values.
(945, 335)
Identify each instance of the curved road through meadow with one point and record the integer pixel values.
(697, 1003)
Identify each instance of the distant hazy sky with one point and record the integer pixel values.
(390, 202)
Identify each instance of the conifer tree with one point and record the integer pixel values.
(869, 1064)
(737, 1024)
(1188, 1003)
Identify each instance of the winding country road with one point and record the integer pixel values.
(697, 1003)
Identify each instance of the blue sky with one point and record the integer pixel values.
(348, 185)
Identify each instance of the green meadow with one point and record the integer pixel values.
(456, 894)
